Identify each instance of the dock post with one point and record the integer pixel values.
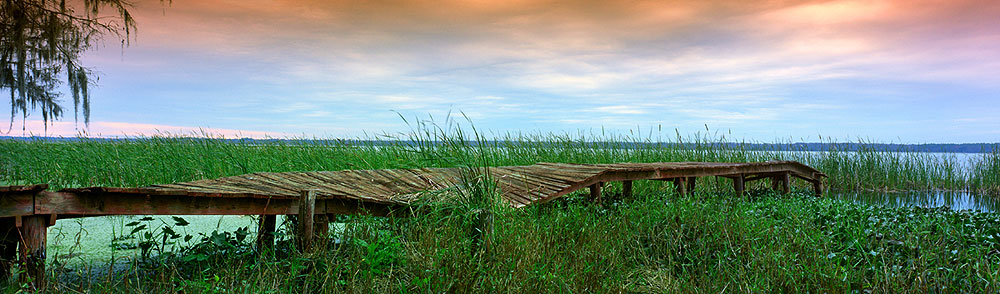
(595, 192)
(818, 187)
(307, 207)
(8, 247)
(626, 188)
(33, 233)
(691, 183)
(738, 185)
(265, 233)
(786, 183)
(681, 184)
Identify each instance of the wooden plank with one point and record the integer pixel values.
(17, 203)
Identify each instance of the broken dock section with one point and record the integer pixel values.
(26, 211)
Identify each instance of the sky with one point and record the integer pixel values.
(905, 71)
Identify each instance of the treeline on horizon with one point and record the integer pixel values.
(628, 143)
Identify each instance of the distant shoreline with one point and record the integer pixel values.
(807, 146)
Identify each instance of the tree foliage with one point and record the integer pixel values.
(40, 45)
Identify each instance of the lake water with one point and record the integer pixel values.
(947, 199)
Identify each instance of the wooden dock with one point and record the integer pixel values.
(26, 211)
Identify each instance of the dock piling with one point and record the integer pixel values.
(626, 188)
(307, 207)
(265, 232)
(681, 185)
(738, 185)
(595, 192)
(33, 234)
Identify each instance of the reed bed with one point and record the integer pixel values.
(165, 159)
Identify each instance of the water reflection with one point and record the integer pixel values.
(952, 200)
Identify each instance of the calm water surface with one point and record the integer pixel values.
(950, 200)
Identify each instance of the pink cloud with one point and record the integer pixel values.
(107, 129)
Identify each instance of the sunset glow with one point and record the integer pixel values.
(901, 71)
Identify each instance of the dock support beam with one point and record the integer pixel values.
(265, 233)
(595, 192)
(626, 188)
(738, 185)
(690, 184)
(307, 207)
(33, 233)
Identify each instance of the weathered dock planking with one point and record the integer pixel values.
(25, 211)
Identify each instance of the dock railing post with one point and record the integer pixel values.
(307, 207)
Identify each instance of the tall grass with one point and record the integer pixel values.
(166, 159)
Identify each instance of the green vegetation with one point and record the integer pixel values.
(655, 241)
